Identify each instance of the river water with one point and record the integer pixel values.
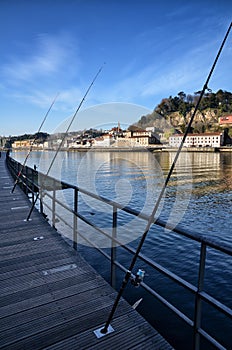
(198, 198)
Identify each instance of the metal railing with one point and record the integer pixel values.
(30, 184)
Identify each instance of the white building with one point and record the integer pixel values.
(215, 139)
(103, 141)
(141, 138)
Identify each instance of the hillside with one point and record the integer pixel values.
(173, 113)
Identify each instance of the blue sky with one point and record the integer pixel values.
(152, 49)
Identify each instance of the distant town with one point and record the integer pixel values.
(133, 138)
(163, 128)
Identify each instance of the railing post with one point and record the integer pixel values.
(18, 165)
(113, 248)
(54, 204)
(198, 301)
(26, 181)
(17, 170)
(75, 218)
(41, 199)
(33, 186)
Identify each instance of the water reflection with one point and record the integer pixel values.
(200, 188)
(211, 172)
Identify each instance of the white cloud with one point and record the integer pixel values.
(67, 100)
(49, 67)
(50, 55)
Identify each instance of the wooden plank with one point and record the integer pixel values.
(19, 286)
(27, 260)
(72, 319)
(53, 329)
(56, 305)
(59, 291)
(83, 340)
(21, 269)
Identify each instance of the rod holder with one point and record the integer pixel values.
(101, 333)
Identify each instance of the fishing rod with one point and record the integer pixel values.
(63, 138)
(31, 146)
(128, 274)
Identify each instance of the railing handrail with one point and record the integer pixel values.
(223, 247)
(200, 294)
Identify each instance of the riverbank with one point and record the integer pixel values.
(199, 149)
(159, 148)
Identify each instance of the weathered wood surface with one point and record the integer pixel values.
(50, 297)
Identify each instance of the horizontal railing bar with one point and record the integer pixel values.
(177, 229)
(168, 273)
(144, 285)
(154, 265)
(150, 262)
(63, 220)
(143, 216)
(58, 216)
(206, 297)
(144, 258)
(196, 237)
(124, 269)
(217, 304)
(157, 221)
(159, 297)
(97, 228)
(60, 203)
(94, 245)
(211, 339)
(162, 269)
(201, 239)
(47, 206)
(168, 304)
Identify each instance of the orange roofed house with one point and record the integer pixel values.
(226, 119)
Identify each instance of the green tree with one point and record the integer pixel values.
(181, 95)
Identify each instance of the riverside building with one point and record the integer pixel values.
(215, 139)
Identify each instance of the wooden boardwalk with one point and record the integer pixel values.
(50, 297)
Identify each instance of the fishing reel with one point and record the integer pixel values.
(138, 278)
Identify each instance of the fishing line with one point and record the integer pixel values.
(104, 330)
(31, 147)
(63, 138)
